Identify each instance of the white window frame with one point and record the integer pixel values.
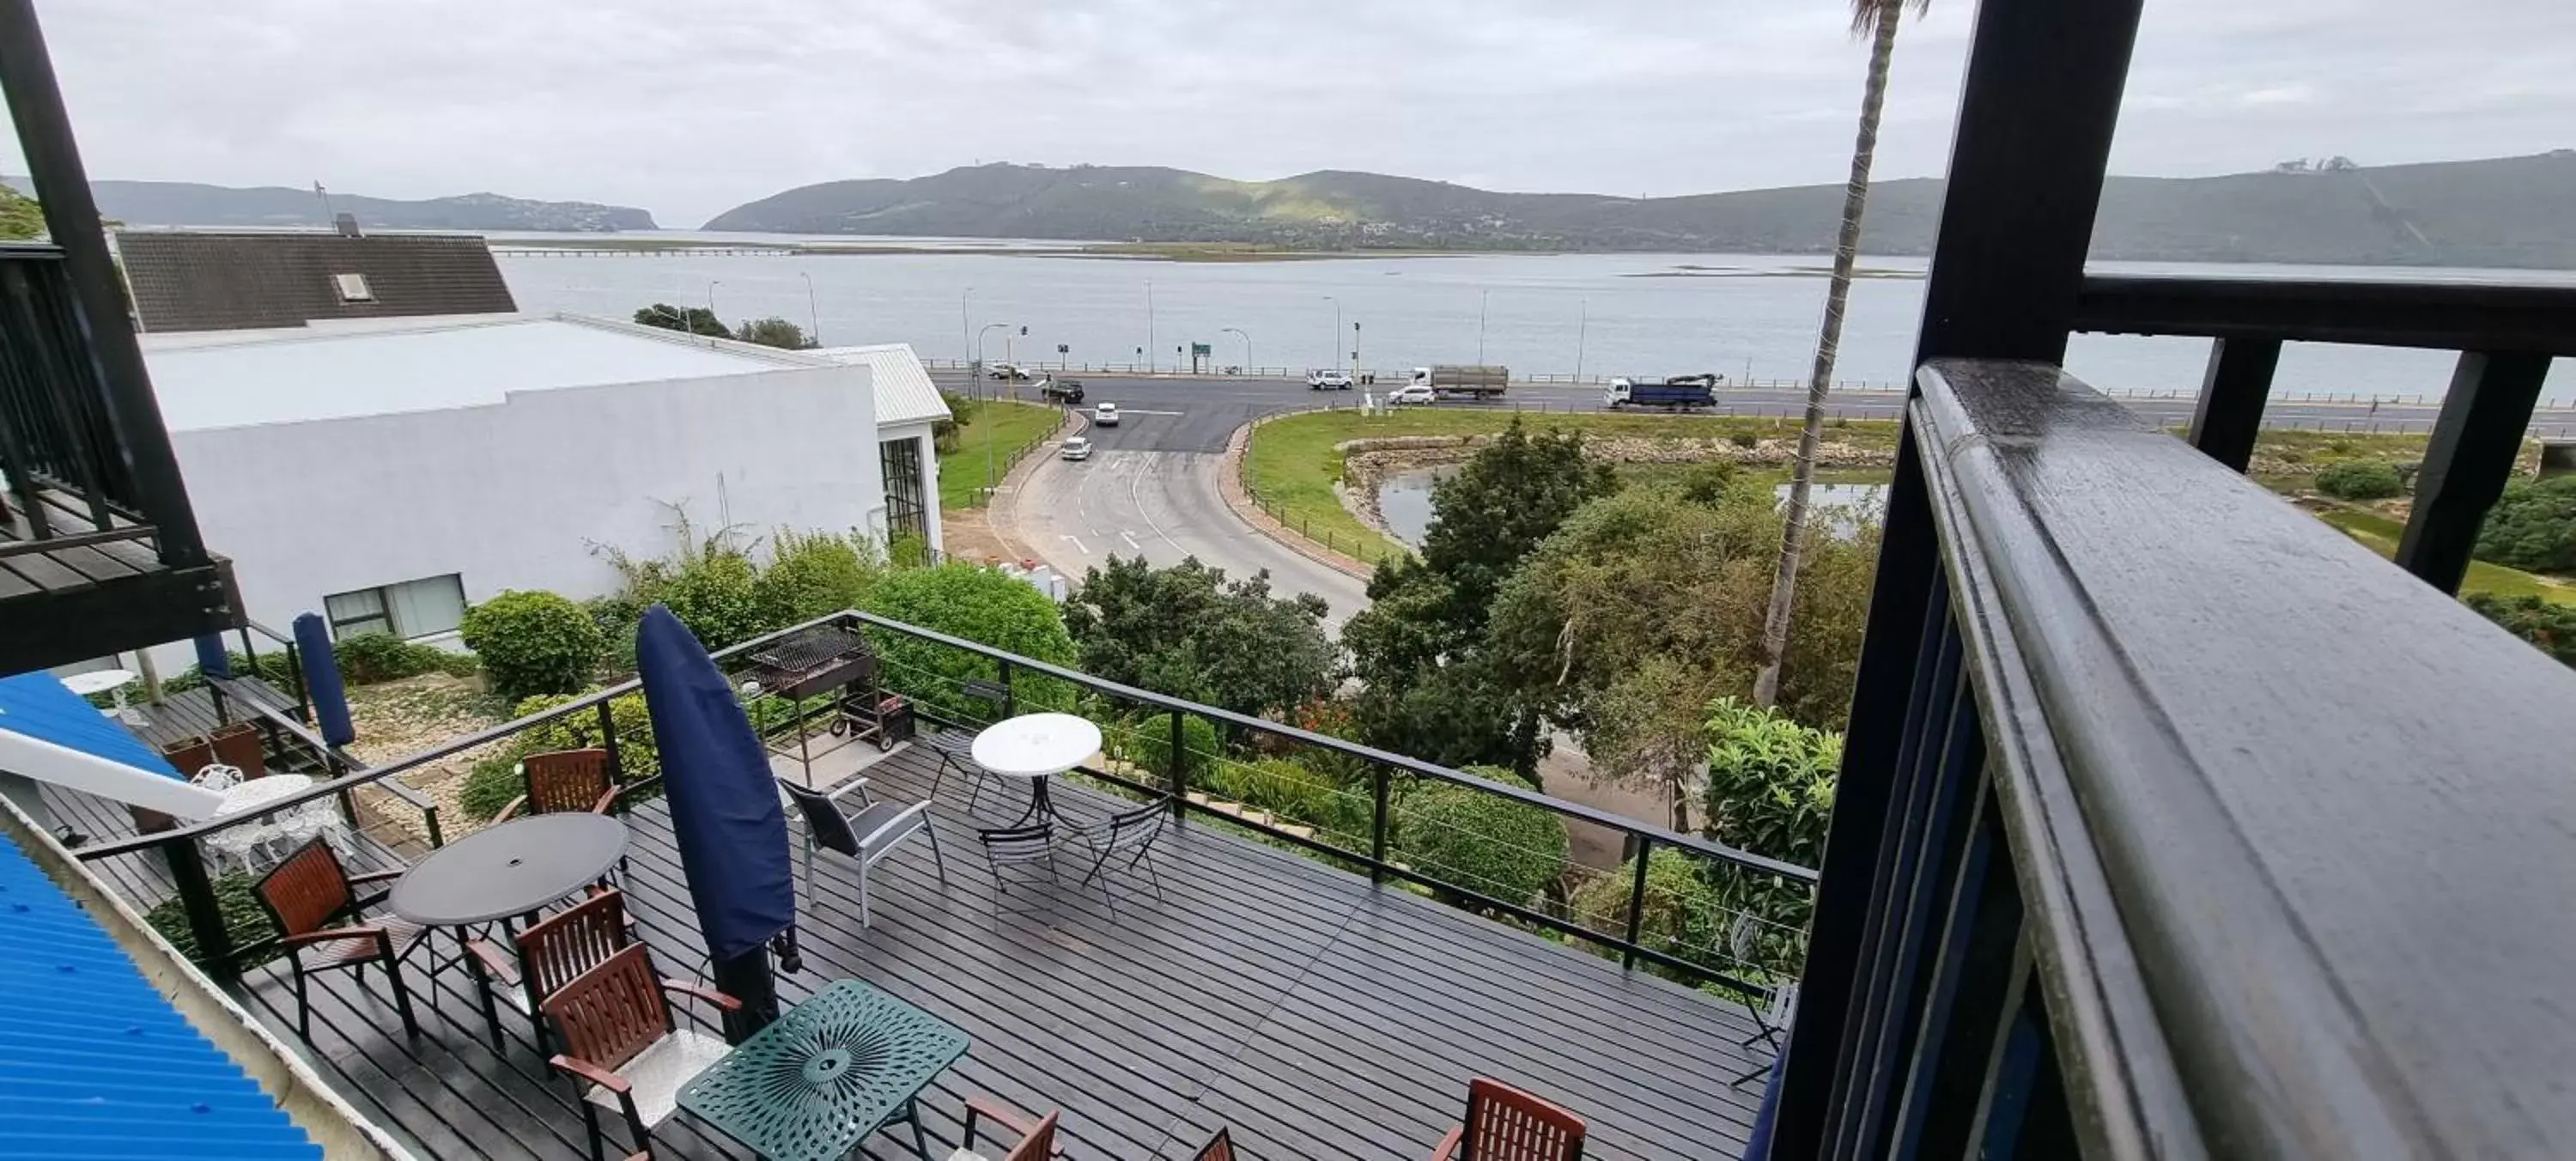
(387, 604)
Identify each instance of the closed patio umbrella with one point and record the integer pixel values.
(725, 813)
(322, 680)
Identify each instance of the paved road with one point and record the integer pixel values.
(1151, 487)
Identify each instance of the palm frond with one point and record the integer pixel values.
(1867, 13)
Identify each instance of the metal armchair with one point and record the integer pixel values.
(864, 838)
(1128, 838)
(1035, 1138)
(562, 782)
(621, 1048)
(321, 923)
(1506, 1124)
(547, 956)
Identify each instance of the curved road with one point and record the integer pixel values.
(1150, 488)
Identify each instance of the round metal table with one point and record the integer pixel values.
(112, 681)
(1036, 747)
(511, 869)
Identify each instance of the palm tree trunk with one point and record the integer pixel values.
(1793, 534)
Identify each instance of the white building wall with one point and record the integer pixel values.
(525, 495)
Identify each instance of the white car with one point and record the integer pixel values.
(1411, 393)
(1076, 448)
(1105, 415)
(1328, 380)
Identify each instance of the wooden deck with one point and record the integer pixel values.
(1318, 1015)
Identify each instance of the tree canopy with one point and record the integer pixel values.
(980, 604)
(1480, 840)
(696, 320)
(773, 332)
(2533, 526)
(20, 216)
(1188, 632)
(1427, 689)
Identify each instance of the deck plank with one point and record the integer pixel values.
(1321, 1016)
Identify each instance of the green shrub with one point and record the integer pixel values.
(2549, 627)
(718, 598)
(1771, 792)
(2533, 526)
(533, 643)
(494, 781)
(617, 616)
(1146, 740)
(1744, 439)
(979, 604)
(1681, 913)
(2360, 480)
(1481, 841)
(813, 575)
(244, 920)
(372, 657)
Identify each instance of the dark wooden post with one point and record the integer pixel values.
(1178, 781)
(2232, 393)
(1382, 785)
(205, 911)
(608, 742)
(2037, 110)
(2466, 464)
(1645, 848)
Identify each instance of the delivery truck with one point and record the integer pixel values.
(1673, 393)
(1477, 382)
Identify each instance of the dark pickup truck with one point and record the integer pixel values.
(1060, 390)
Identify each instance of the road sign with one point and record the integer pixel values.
(1198, 349)
(1064, 348)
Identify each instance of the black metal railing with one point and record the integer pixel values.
(2201, 826)
(1717, 948)
(55, 431)
(2506, 336)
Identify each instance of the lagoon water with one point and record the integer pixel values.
(1744, 316)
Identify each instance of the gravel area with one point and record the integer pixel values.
(396, 719)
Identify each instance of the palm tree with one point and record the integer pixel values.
(1877, 20)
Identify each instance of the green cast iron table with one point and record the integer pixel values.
(827, 1075)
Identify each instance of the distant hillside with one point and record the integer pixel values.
(2515, 211)
(182, 203)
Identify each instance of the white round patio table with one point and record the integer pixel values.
(250, 797)
(1036, 747)
(98, 681)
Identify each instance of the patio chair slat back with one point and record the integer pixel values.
(612, 1012)
(1136, 828)
(1506, 1124)
(831, 830)
(1034, 843)
(565, 781)
(307, 890)
(238, 746)
(558, 950)
(1039, 1145)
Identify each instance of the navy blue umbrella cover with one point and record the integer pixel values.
(724, 805)
(322, 680)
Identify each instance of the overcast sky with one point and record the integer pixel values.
(688, 108)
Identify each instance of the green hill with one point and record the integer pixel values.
(2515, 211)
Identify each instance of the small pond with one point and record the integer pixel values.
(1404, 499)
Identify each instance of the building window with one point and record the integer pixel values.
(905, 515)
(352, 288)
(410, 610)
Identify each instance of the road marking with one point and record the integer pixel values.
(1129, 535)
(1142, 411)
(1077, 543)
(1133, 501)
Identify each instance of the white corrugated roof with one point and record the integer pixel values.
(243, 378)
(905, 393)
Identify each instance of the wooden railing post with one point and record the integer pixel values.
(1178, 780)
(1379, 819)
(1010, 696)
(608, 742)
(205, 912)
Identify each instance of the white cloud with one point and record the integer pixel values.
(688, 108)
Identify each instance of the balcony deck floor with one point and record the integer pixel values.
(1320, 1016)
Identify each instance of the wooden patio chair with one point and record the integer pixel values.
(563, 782)
(321, 923)
(622, 1049)
(1035, 1139)
(238, 746)
(547, 956)
(1218, 1148)
(1506, 1124)
(864, 838)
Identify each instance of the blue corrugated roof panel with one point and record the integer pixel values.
(95, 1062)
(38, 705)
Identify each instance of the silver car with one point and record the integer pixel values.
(1076, 448)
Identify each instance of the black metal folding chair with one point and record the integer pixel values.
(1019, 850)
(1126, 838)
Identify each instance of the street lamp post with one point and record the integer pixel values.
(711, 301)
(1247, 347)
(813, 315)
(1355, 350)
(1483, 299)
(1582, 327)
(979, 373)
(1149, 326)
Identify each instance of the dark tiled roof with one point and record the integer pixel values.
(187, 280)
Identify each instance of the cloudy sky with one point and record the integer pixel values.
(687, 108)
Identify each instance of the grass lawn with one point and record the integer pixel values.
(1292, 463)
(2381, 533)
(1006, 427)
